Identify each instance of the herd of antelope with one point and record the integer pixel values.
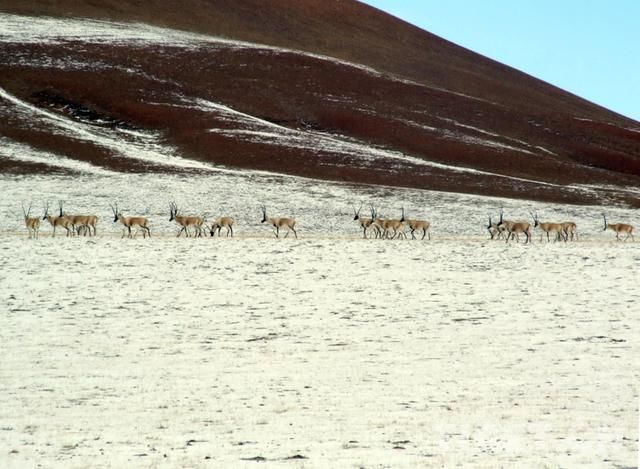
(378, 227)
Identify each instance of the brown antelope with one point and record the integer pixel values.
(504, 226)
(514, 228)
(32, 223)
(388, 224)
(570, 228)
(619, 228)
(185, 222)
(279, 222)
(61, 220)
(221, 222)
(548, 228)
(84, 222)
(129, 222)
(415, 225)
(365, 223)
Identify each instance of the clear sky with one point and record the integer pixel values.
(588, 47)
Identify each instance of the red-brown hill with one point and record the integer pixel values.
(326, 89)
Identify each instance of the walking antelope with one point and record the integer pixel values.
(365, 223)
(129, 222)
(570, 228)
(549, 228)
(32, 223)
(61, 220)
(514, 228)
(389, 224)
(415, 225)
(220, 222)
(279, 222)
(506, 226)
(494, 229)
(619, 228)
(185, 222)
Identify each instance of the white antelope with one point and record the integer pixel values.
(130, 222)
(280, 222)
(549, 228)
(32, 223)
(220, 222)
(494, 229)
(365, 223)
(570, 228)
(61, 220)
(185, 222)
(619, 228)
(415, 225)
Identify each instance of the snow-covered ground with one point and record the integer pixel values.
(328, 351)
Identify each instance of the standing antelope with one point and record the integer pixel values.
(220, 222)
(185, 222)
(570, 228)
(415, 225)
(32, 223)
(85, 222)
(129, 222)
(279, 222)
(61, 220)
(365, 223)
(549, 228)
(619, 228)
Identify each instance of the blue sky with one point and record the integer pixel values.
(588, 47)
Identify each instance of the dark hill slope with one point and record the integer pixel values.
(430, 114)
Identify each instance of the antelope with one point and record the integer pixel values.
(186, 222)
(548, 228)
(569, 227)
(365, 223)
(389, 224)
(84, 221)
(619, 228)
(128, 222)
(519, 227)
(504, 226)
(32, 223)
(493, 229)
(220, 222)
(279, 222)
(61, 220)
(415, 225)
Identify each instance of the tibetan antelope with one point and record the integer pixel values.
(619, 228)
(129, 222)
(493, 229)
(32, 223)
(365, 223)
(61, 220)
(548, 228)
(415, 225)
(185, 222)
(279, 222)
(570, 228)
(219, 223)
(83, 222)
(514, 228)
(388, 224)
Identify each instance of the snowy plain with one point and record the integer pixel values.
(326, 351)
